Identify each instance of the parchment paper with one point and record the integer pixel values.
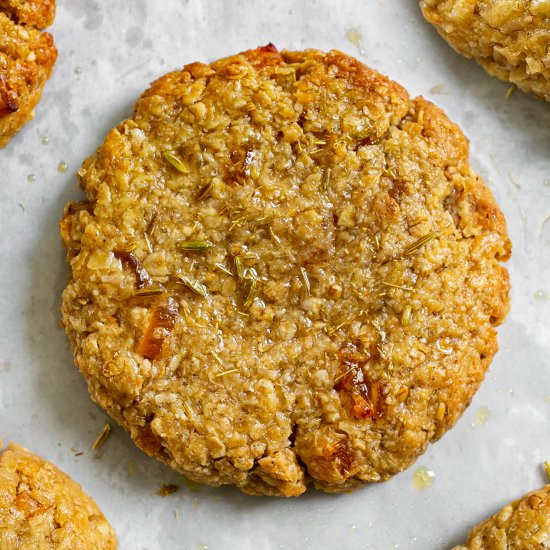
(109, 51)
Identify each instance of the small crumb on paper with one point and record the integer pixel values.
(167, 489)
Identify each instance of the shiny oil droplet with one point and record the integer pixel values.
(62, 167)
(422, 479)
(542, 295)
(354, 36)
(31, 178)
(78, 70)
(45, 140)
(482, 415)
(203, 547)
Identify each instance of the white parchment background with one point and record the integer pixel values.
(109, 52)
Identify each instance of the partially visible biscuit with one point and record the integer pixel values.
(41, 507)
(509, 38)
(36, 13)
(522, 525)
(27, 57)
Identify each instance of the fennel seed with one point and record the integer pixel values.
(306, 280)
(418, 244)
(221, 267)
(176, 162)
(194, 246)
(406, 316)
(327, 179)
(237, 262)
(193, 285)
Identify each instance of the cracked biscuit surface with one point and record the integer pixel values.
(42, 508)
(27, 57)
(509, 38)
(521, 525)
(285, 270)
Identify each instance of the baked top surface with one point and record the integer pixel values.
(509, 38)
(41, 507)
(340, 312)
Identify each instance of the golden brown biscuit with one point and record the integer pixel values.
(27, 57)
(522, 525)
(42, 508)
(509, 38)
(284, 267)
(36, 13)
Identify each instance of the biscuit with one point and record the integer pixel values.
(27, 57)
(41, 507)
(285, 270)
(510, 39)
(523, 524)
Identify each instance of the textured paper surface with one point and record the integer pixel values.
(109, 51)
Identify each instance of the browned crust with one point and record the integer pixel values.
(41, 507)
(34, 13)
(27, 57)
(407, 163)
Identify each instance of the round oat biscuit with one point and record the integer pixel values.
(522, 525)
(285, 269)
(510, 39)
(41, 507)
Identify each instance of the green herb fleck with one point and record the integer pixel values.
(238, 263)
(176, 162)
(306, 280)
(327, 179)
(418, 244)
(249, 288)
(193, 285)
(221, 267)
(194, 246)
(406, 316)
